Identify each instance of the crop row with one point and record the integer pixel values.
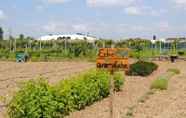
(38, 99)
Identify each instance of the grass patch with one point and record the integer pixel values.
(174, 70)
(130, 112)
(160, 84)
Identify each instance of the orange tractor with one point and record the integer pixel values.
(115, 57)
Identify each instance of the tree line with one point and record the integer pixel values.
(60, 49)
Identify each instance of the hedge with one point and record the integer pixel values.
(142, 68)
(37, 99)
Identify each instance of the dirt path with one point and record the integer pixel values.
(134, 88)
(11, 74)
(166, 104)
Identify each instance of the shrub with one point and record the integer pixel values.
(83, 90)
(160, 83)
(36, 99)
(118, 81)
(181, 53)
(142, 68)
(174, 70)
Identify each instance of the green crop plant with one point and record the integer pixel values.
(174, 70)
(34, 100)
(118, 81)
(160, 83)
(38, 99)
(142, 68)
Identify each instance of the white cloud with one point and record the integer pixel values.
(65, 27)
(54, 27)
(2, 15)
(180, 4)
(110, 3)
(57, 1)
(80, 27)
(142, 10)
(164, 26)
(133, 11)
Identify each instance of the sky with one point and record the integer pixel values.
(102, 18)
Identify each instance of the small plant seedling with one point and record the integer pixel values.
(174, 70)
(129, 113)
(143, 98)
(151, 92)
(160, 84)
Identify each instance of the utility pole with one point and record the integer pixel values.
(15, 45)
(40, 45)
(10, 40)
(111, 70)
(103, 43)
(160, 46)
(65, 44)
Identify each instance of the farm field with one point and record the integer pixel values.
(163, 104)
(12, 74)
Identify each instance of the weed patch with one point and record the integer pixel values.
(174, 70)
(160, 83)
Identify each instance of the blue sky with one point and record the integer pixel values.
(102, 18)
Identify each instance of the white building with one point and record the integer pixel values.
(170, 40)
(161, 39)
(72, 37)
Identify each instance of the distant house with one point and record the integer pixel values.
(170, 40)
(70, 37)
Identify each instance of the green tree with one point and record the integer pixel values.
(1, 33)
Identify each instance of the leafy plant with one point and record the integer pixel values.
(118, 81)
(34, 100)
(160, 83)
(142, 68)
(181, 53)
(37, 99)
(174, 70)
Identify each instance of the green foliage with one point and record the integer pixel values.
(1, 33)
(82, 90)
(118, 81)
(59, 49)
(142, 68)
(34, 100)
(37, 99)
(174, 70)
(161, 83)
(181, 53)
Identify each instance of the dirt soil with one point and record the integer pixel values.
(12, 74)
(170, 103)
